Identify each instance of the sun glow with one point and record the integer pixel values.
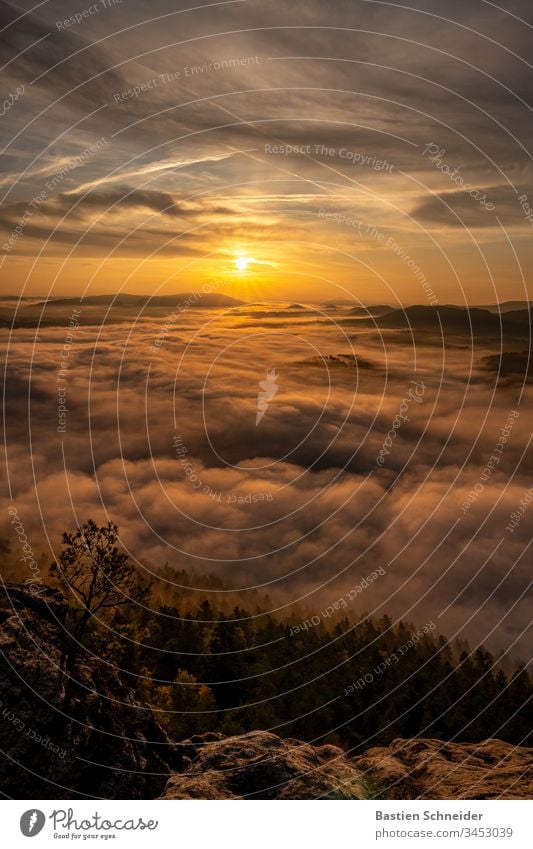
(242, 263)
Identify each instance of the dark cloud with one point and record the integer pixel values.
(469, 207)
(53, 61)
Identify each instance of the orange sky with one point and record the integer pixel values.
(342, 160)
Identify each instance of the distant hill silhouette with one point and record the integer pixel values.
(196, 299)
(524, 316)
(378, 310)
(121, 308)
(461, 320)
(507, 306)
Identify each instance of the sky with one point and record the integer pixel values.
(307, 151)
(301, 158)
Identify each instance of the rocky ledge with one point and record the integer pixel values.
(260, 765)
(77, 737)
(433, 769)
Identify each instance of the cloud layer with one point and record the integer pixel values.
(163, 440)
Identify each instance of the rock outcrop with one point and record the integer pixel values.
(433, 769)
(260, 765)
(96, 740)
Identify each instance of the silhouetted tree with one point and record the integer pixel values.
(99, 576)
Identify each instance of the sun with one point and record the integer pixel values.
(242, 262)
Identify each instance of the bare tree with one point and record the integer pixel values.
(98, 574)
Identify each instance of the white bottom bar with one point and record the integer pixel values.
(268, 825)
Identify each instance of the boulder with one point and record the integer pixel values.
(433, 769)
(260, 765)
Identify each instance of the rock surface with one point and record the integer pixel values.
(98, 742)
(433, 769)
(259, 765)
